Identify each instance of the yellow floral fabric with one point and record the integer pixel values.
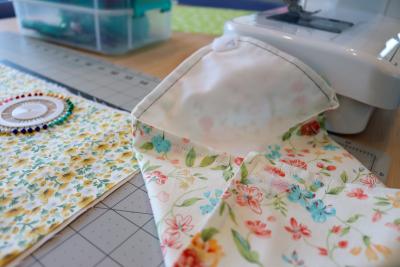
(49, 176)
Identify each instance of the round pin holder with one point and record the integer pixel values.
(32, 112)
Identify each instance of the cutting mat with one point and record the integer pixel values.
(119, 86)
(119, 231)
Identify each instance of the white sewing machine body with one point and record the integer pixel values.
(362, 63)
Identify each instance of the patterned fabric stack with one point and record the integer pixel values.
(49, 177)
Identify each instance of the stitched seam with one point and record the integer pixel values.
(173, 83)
(291, 62)
(187, 69)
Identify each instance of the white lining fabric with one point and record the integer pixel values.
(236, 100)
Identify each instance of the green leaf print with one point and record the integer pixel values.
(245, 249)
(208, 160)
(279, 205)
(189, 202)
(321, 120)
(336, 190)
(228, 173)
(230, 211)
(286, 136)
(208, 233)
(232, 214)
(354, 218)
(345, 231)
(190, 157)
(222, 208)
(344, 177)
(219, 168)
(147, 146)
(367, 240)
(382, 201)
(244, 173)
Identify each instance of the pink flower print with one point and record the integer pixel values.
(179, 224)
(280, 186)
(358, 193)
(275, 170)
(238, 161)
(249, 196)
(331, 168)
(258, 228)
(174, 161)
(297, 230)
(158, 177)
(290, 152)
(377, 216)
(295, 163)
(343, 244)
(395, 226)
(170, 241)
(336, 229)
(323, 251)
(163, 196)
(370, 180)
(311, 128)
(271, 218)
(227, 194)
(328, 168)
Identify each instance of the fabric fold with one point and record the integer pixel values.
(240, 170)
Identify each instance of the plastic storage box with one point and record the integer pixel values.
(105, 26)
(259, 5)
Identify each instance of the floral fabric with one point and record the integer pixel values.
(50, 176)
(304, 202)
(298, 200)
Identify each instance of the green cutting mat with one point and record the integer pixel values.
(202, 19)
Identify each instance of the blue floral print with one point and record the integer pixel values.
(317, 208)
(330, 147)
(161, 144)
(319, 211)
(273, 153)
(212, 201)
(146, 129)
(296, 194)
(293, 259)
(316, 185)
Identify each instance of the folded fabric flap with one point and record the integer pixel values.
(184, 181)
(236, 100)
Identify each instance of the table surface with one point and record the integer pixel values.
(382, 133)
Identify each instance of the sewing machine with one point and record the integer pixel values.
(353, 44)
